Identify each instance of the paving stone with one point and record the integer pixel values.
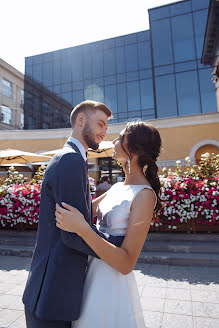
(152, 304)
(206, 323)
(178, 307)
(5, 288)
(177, 321)
(205, 296)
(208, 310)
(154, 292)
(153, 319)
(19, 323)
(8, 317)
(179, 294)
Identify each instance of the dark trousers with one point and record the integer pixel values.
(32, 321)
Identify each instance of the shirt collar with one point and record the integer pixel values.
(80, 147)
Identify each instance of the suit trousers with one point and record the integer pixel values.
(32, 321)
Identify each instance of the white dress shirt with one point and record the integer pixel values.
(80, 147)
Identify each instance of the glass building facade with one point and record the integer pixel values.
(150, 74)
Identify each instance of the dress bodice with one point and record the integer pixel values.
(114, 210)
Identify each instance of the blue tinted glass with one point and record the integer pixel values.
(66, 70)
(147, 95)
(56, 72)
(110, 43)
(132, 76)
(88, 92)
(180, 8)
(66, 87)
(143, 36)
(183, 38)
(166, 96)
(186, 66)
(111, 98)
(78, 97)
(37, 59)
(133, 96)
(208, 92)
(144, 55)
(120, 60)
(77, 69)
(67, 97)
(148, 112)
(110, 79)
(122, 115)
(200, 20)
(97, 64)
(158, 13)
(161, 42)
(131, 57)
(57, 89)
(77, 85)
(28, 60)
(47, 74)
(122, 97)
(37, 73)
(188, 93)
(131, 38)
(109, 62)
(145, 74)
(98, 81)
(163, 70)
(87, 65)
(121, 78)
(98, 93)
(199, 4)
(28, 70)
(119, 41)
(148, 117)
(135, 114)
(47, 57)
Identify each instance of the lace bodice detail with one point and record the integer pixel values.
(114, 210)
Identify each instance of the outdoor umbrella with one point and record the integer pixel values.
(9, 156)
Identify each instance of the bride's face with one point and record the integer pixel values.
(119, 154)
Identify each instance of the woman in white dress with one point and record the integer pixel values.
(110, 296)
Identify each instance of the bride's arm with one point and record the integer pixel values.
(123, 258)
(95, 203)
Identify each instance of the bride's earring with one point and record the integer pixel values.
(129, 166)
(145, 169)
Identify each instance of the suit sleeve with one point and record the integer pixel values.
(70, 186)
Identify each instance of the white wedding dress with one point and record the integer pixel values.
(111, 299)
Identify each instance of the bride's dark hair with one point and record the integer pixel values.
(145, 141)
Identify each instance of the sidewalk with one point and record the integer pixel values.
(171, 296)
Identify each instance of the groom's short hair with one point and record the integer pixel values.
(88, 106)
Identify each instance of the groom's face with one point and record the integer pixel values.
(95, 128)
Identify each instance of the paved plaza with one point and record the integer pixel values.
(171, 296)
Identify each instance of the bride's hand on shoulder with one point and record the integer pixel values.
(70, 219)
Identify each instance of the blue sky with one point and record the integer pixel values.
(32, 27)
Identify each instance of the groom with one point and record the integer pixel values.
(53, 292)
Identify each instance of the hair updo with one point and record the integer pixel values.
(145, 141)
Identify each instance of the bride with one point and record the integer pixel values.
(110, 295)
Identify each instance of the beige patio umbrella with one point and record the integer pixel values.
(105, 150)
(9, 156)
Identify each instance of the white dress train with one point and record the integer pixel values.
(111, 299)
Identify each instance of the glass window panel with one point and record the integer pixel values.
(164, 70)
(110, 79)
(22, 121)
(131, 57)
(47, 57)
(98, 93)
(98, 81)
(37, 73)
(28, 60)
(144, 55)
(122, 97)
(186, 66)
(87, 65)
(66, 69)
(78, 97)
(188, 93)
(208, 92)
(131, 38)
(77, 85)
(132, 76)
(88, 92)
(148, 117)
(97, 64)
(57, 72)
(147, 94)
(122, 115)
(148, 111)
(37, 59)
(161, 42)
(109, 61)
(57, 89)
(180, 8)
(119, 41)
(67, 97)
(111, 98)
(121, 78)
(200, 21)
(166, 96)
(77, 69)
(183, 38)
(110, 43)
(143, 36)
(120, 60)
(197, 4)
(159, 13)
(135, 114)
(145, 74)
(7, 114)
(47, 74)
(7, 88)
(45, 108)
(133, 93)
(28, 70)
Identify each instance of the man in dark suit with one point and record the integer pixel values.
(53, 292)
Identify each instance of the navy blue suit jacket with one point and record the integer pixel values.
(55, 282)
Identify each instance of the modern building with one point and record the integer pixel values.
(150, 74)
(11, 97)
